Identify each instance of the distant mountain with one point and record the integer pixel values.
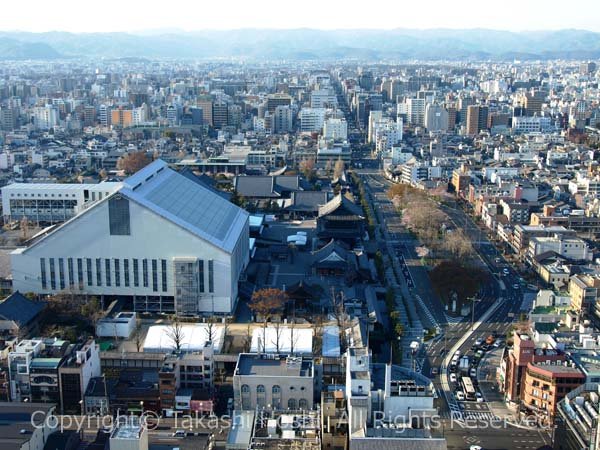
(302, 44)
(16, 49)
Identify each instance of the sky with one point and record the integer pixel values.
(190, 15)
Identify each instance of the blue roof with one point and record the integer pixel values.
(20, 309)
(188, 204)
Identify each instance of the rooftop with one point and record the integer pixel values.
(273, 366)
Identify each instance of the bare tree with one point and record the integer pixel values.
(211, 328)
(248, 339)
(307, 168)
(277, 341)
(293, 336)
(176, 334)
(137, 336)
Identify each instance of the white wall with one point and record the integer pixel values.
(152, 237)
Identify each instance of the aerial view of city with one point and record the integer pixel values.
(300, 226)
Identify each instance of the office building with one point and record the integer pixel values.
(436, 118)
(312, 120)
(336, 129)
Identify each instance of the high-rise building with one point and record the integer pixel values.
(45, 117)
(275, 100)
(477, 118)
(207, 110)
(8, 118)
(220, 114)
(104, 115)
(463, 104)
(436, 118)
(312, 119)
(122, 118)
(533, 101)
(415, 111)
(282, 119)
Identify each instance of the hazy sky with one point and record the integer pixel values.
(134, 15)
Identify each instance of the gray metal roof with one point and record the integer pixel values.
(187, 203)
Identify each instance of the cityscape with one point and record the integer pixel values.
(345, 238)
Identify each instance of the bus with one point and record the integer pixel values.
(468, 388)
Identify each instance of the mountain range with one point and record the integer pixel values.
(306, 44)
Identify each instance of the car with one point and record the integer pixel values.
(490, 339)
(498, 343)
(473, 372)
(479, 397)
(434, 371)
(457, 353)
(505, 271)
(453, 378)
(179, 434)
(460, 396)
(475, 447)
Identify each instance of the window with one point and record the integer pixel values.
(126, 272)
(201, 275)
(303, 404)
(107, 270)
(276, 396)
(117, 272)
(136, 275)
(155, 275)
(145, 272)
(261, 399)
(80, 271)
(71, 272)
(88, 266)
(61, 272)
(98, 271)
(292, 403)
(43, 272)
(163, 272)
(52, 274)
(211, 281)
(118, 216)
(260, 389)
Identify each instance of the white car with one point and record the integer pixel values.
(460, 396)
(452, 378)
(457, 353)
(475, 447)
(479, 397)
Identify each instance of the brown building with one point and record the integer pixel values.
(334, 420)
(546, 385)
(477, 119)
(584, 290)
(524, 351)
(122, 118)
(460, 181)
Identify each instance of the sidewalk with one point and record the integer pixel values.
(486, 377)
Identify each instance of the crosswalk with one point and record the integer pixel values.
(476, 415)
(454, 320)
(426, 311)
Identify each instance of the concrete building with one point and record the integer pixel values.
(524, 124)
(312, 120)
(26, 426)
(576, 420)
(323, 98)
(51, 203)
(75, 374)
(199, 247)
(572, 248)
(546, 385)
(436, 118)
(283, 382)
(336, 129)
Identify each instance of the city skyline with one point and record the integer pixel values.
(131, 17)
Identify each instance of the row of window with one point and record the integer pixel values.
(111, 269)
(107, 271)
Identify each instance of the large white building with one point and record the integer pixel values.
(323, 98)
(45, 117)
(536, 124)
(335, 128)
(51, 202)
(162, 240)
(312, 119)
(436, 118)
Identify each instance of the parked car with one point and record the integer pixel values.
(179, 434)
(453, 378)
(460, 396)
(479, 397)
(473, 372)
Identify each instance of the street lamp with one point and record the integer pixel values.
(473, 301)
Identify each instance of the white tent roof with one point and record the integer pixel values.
(302, 340)
(158, 339)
